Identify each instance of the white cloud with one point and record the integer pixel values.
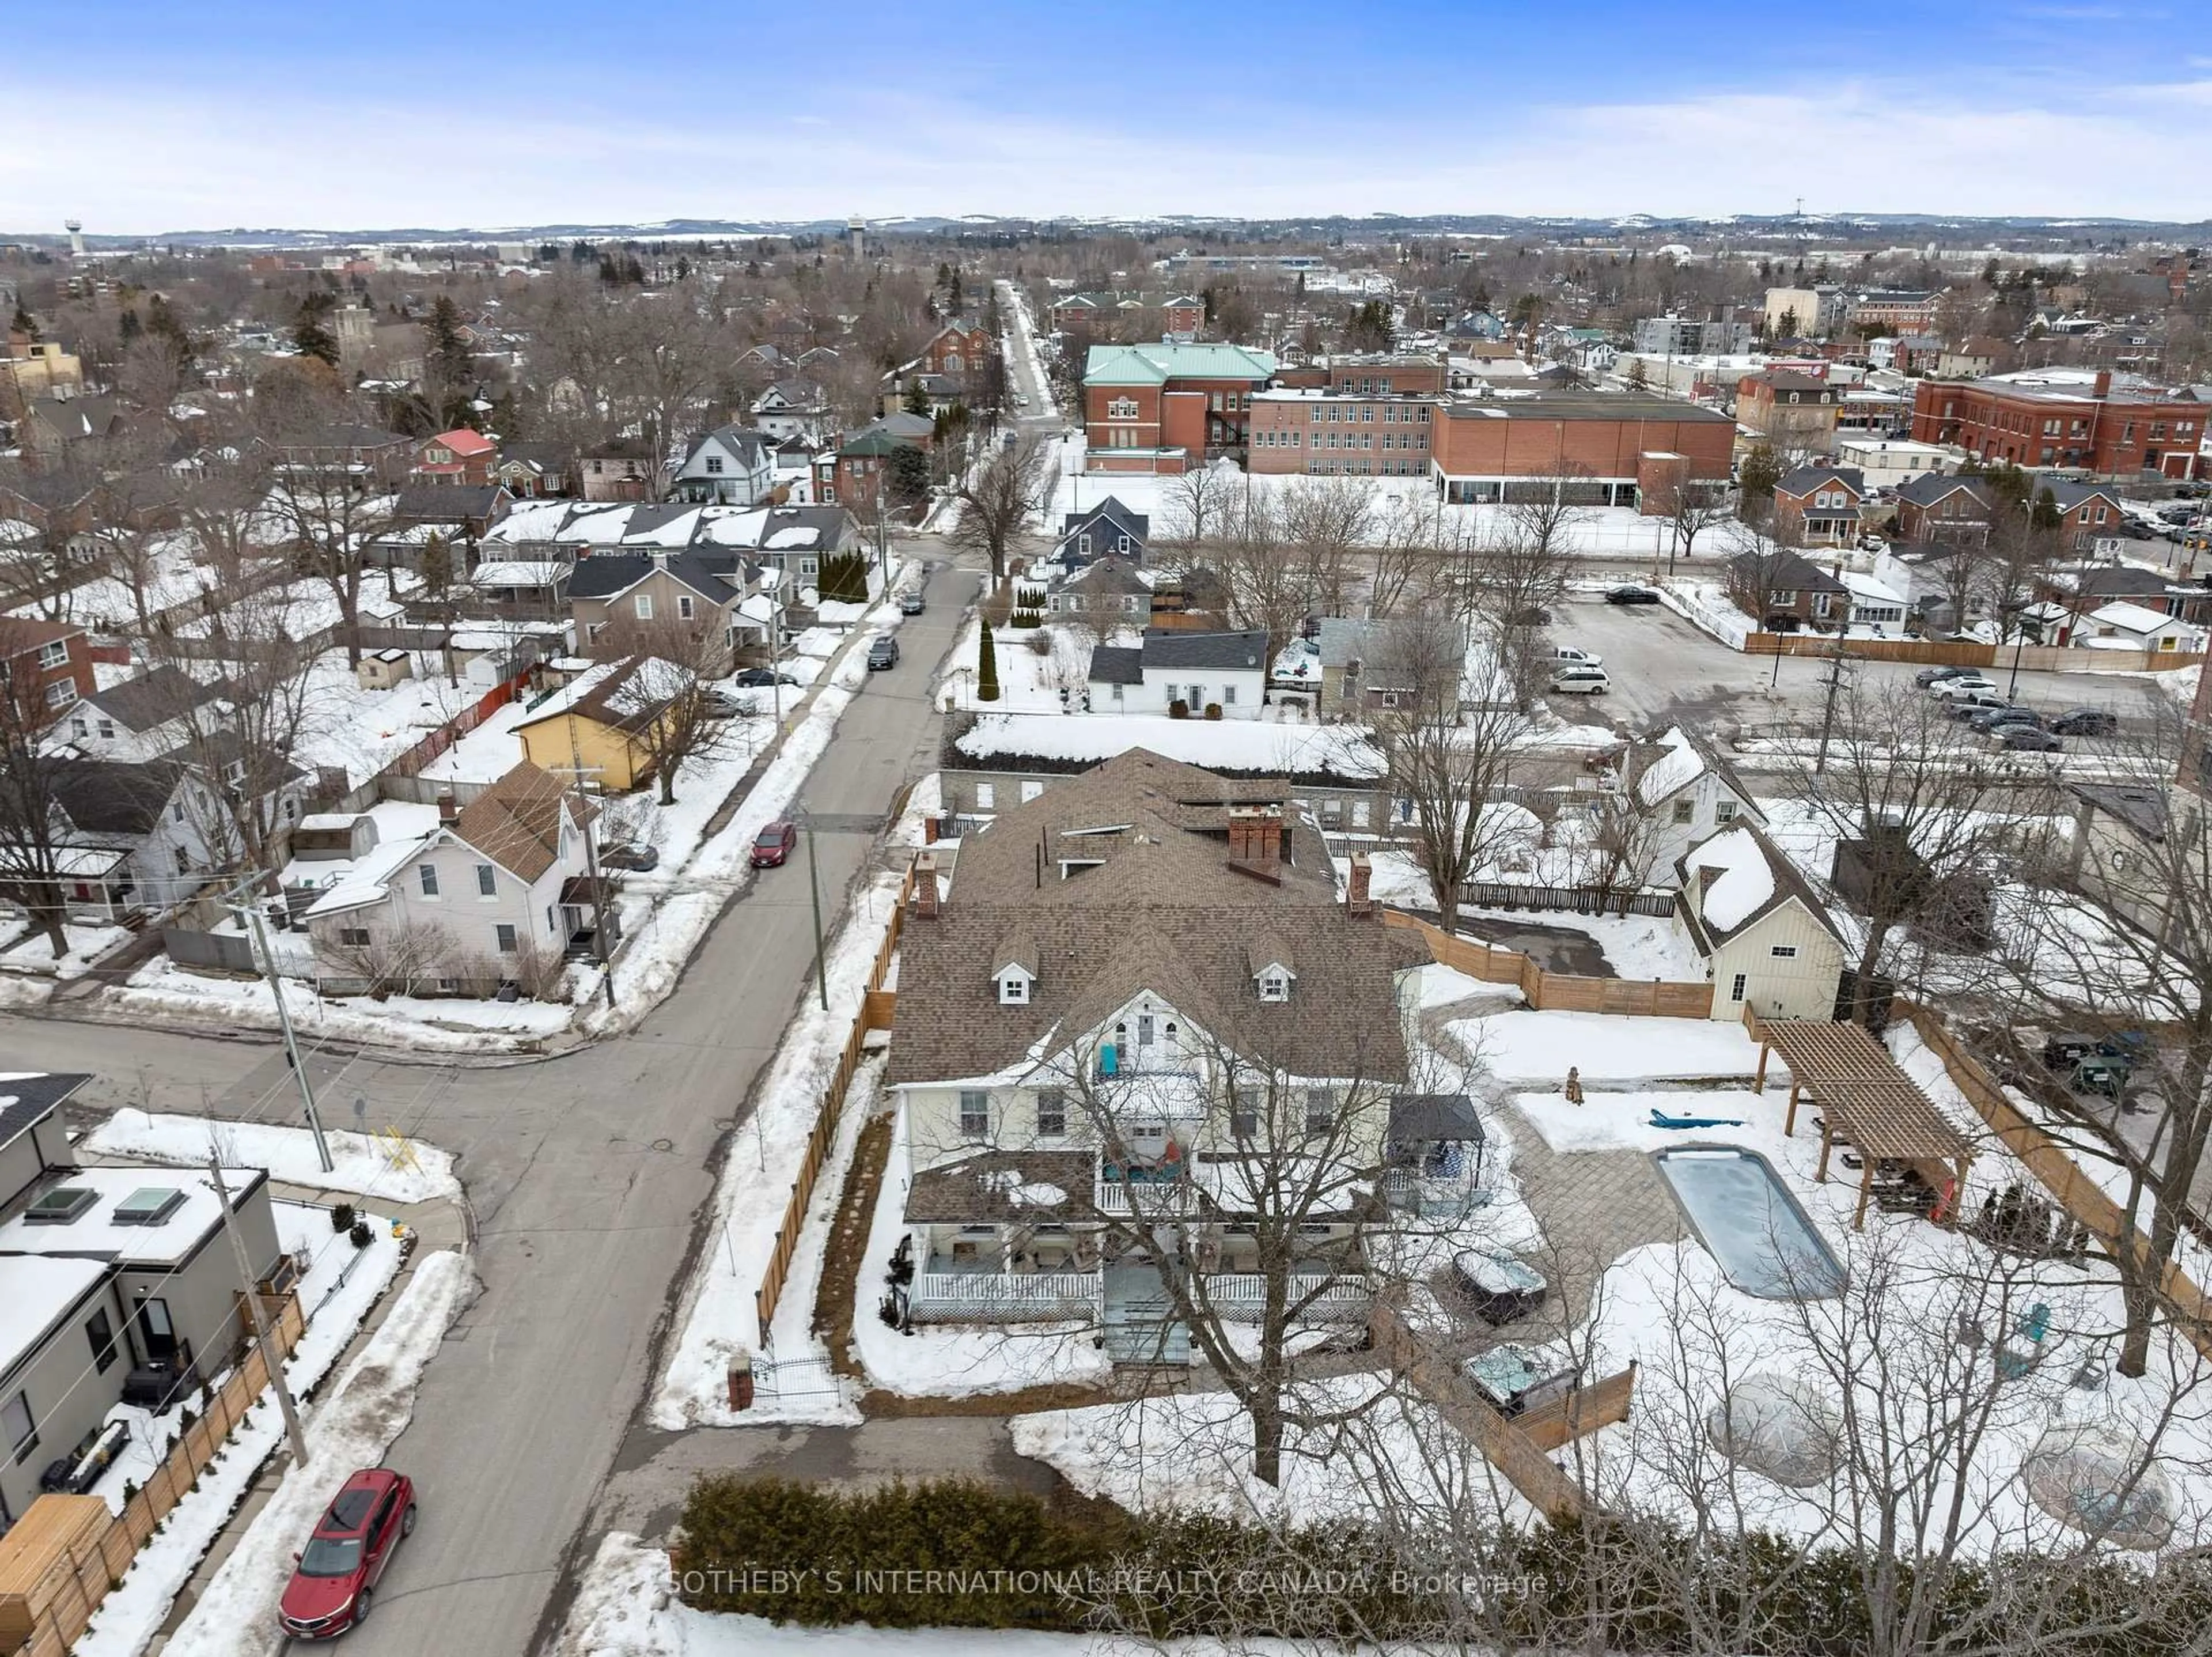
(165, 160)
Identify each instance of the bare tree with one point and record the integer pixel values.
(1614, 845)
(1326, 520)
(1412, 540)
(1264, 578)
(1195, 501)
(667, 670)
(1450, 740)
(31, 843)
(998, 496)
(331, 501)
(1690, 507)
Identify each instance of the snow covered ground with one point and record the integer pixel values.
(941, 1361)
(1610, 1050)
(130, 1616)
(363, 1163)
(235, 1615)
(1635, 946)
(26, 949)
(717, 1320)
(1243, 744)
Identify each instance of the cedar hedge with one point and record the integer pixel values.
(960, 1553)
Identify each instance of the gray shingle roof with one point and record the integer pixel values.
(1171, 647)
(1164, 911)
(1930, 487)
(27, 1100)
(1117, 664)
(154, 697)
(1803, 480)
(604, 575)
(114, 796)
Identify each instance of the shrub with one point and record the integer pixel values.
(360, 1236)
(843, 578)
(342, 1217)
(1213, 710)
(1040, 644)
(987, 667)
(1178, 708)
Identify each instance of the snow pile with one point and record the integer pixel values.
(371, 1404)
(1609, 1049)
(163, 990)
(1745, 878)
(361, 1162)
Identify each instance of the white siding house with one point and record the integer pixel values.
(1687, 794)
(1764, 936)
(1201, 670)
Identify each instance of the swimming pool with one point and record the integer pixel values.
(1750, 1223)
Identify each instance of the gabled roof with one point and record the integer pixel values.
(1931, 487)
(1806, 480)
(464, 442)
(27, 1101)
(1110, 574)
(1788, 571)
(745, 445)
(612, 696)
(2140, 809)
(1110, 511)
(154, 697)
(2069, 493)
(1173, 647)
(20, 633)
(114, 796)
(516, 822)
(1751, 878)
(446, 502)
(1117, 664)
(610, 575)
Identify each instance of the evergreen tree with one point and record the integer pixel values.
(130, 325)
(916, 400)
(311, 333)
(955, 301)
(22, 322)
(2046, 516)
(909, 475)
(161, 323)
(608, 273)
(451, 360)
(683, 268)
(1760, 471)
(987, 668)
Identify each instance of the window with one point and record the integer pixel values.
(1244, 1114)
(1321, 1112)
(505, 935)
(1228, 696)
(1685, 809)
(1014, 990)
(684, 606)
(974, 1114)
(429, 874)
(1783, 952)
(54, 655)
(1725, 812)
(60, 693)
(354, 937)
(1031, 790)
(1735, 989)
(487, 880)
(17, 1430)
(102, 1334)
(1274, 986)
(643, 604)
(986, 794)
(714, 463)
(184, 860)
(79, 730)
(1051, 1113)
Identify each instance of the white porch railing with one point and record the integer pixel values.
(1146, 1196)
(997, 1296)
(1243, 1295)
(1402, 1188)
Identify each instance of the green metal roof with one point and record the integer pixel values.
(1156, 364)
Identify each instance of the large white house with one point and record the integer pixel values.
(1142, 1006)
(729, 465)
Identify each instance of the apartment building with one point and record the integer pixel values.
(1323, 433)
(2113, 425)
(1793, 411)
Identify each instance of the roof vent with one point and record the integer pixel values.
(149, 1205)
(59, 1206)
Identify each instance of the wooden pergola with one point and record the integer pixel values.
(1866, 1100)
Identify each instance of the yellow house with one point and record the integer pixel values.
(608, 723)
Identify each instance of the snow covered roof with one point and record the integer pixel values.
(1680, 766)
(517, 572)
(1254, 747)
(37, 1294)
(97, 1235)
(2135, 619)
(1736, 878)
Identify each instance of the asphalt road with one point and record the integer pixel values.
(1664, 668)
(587, 1174)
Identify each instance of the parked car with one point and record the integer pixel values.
(759, 678)
(720, 704)
(1503, 1288)
(1529, 615)
(1782, 621)
(1580, 681)
(1966, 683)
(1928, 676)
(334, 1576)
(2085, 722)
(1988, 719)
(1573, 655)
(882, 652)
(639, 859)
(1631, 595)
(912, 604)
(1967, 704)
(773, 845)
(2025, 739)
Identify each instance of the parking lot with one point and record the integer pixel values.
(1664, 669)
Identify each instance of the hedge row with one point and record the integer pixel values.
(957, 1554)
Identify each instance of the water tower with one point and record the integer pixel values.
(75, 228)
(856, 237)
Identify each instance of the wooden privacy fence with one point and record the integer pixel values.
(1581, 899)
(2058, 1173)
(64, 1559)
(1581, 1412)
(1558, 992)
(1966, 653)
(878, 1007)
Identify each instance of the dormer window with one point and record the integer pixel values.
(1272, 979)
(1013, 980)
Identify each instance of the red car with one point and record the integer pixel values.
(332, 1579)
(772, 846)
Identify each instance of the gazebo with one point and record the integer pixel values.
(1866, 1100)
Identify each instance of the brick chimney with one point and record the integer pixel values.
(1255, 834)
(925, 887)
(2103, 386)
(449, 810)
(1356, 900)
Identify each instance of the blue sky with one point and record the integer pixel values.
(177, 114)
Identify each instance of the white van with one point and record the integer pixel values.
(1573, 679)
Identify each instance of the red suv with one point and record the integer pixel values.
(773, 845)
(333, 1578)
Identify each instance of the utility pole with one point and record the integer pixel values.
(577, 770)
(269, 1355)
(250, 912)
(1828, 713)
(814, 889)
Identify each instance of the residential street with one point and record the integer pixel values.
(587, 1174)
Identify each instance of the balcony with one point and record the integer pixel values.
(1004, 1296)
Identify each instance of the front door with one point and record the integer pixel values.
(160, 1333)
